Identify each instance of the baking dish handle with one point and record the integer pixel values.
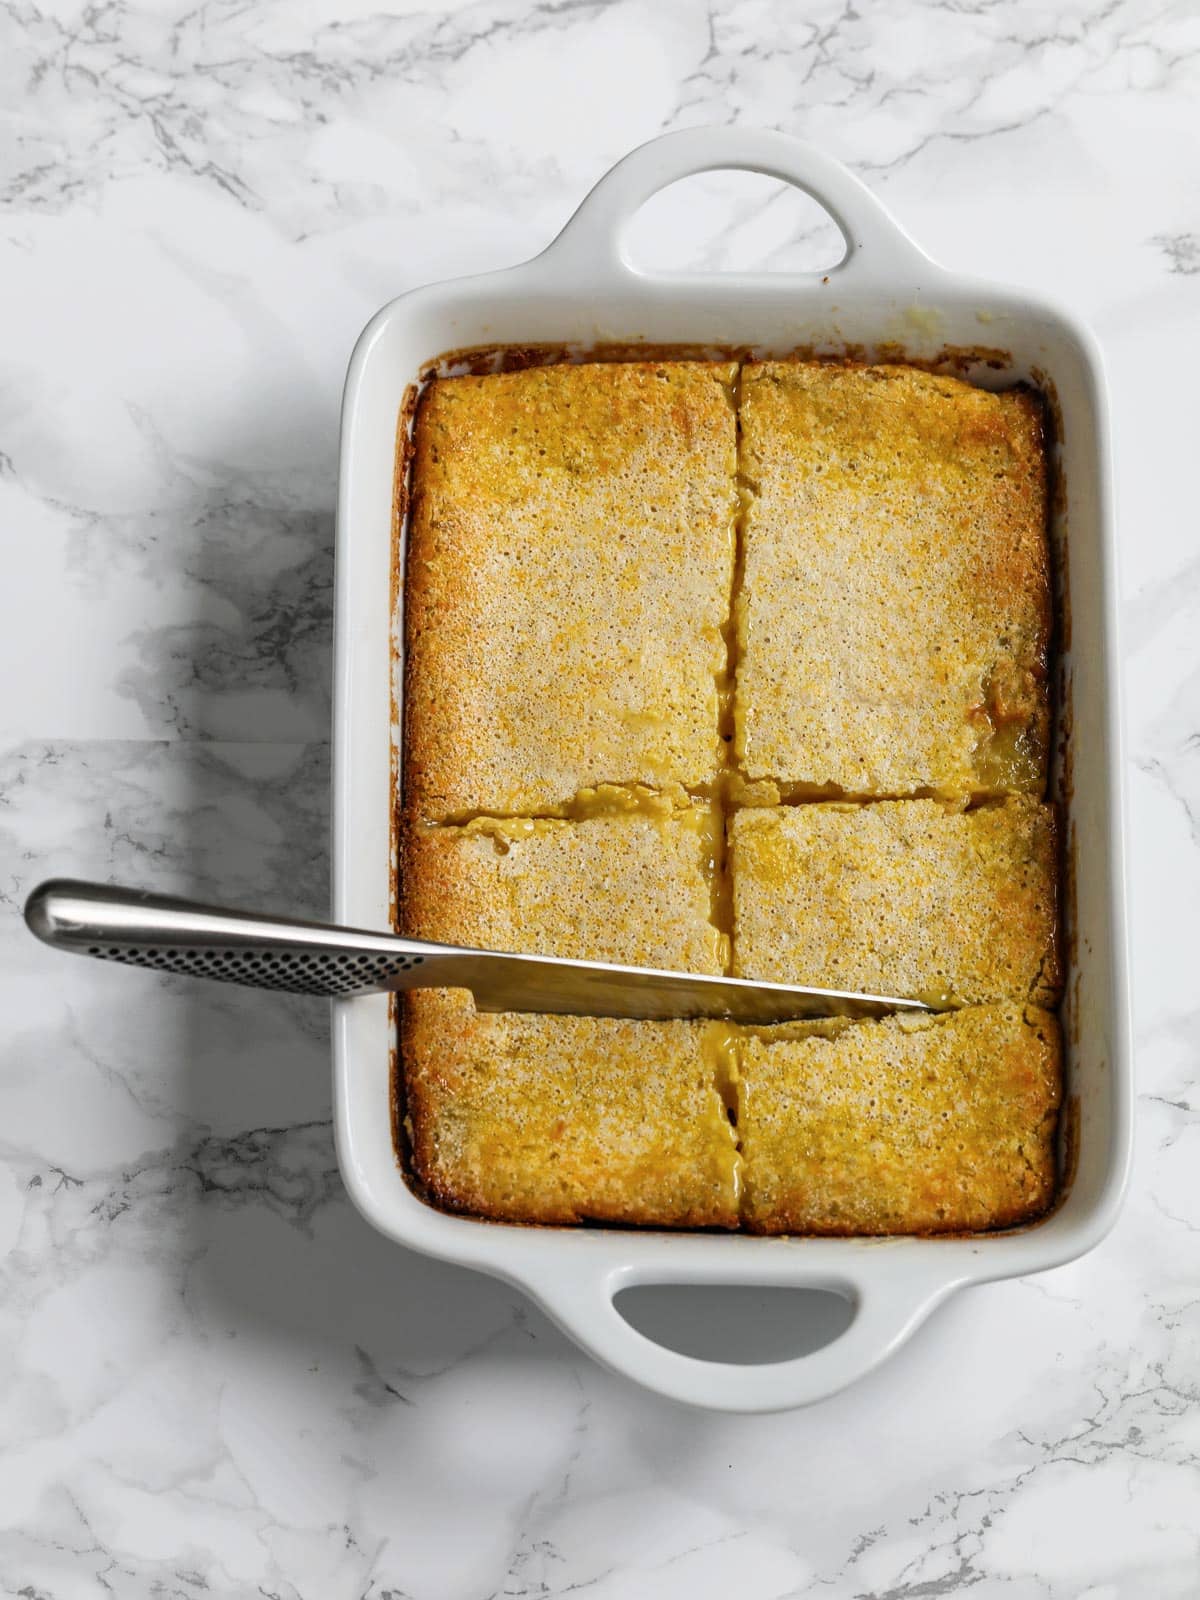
(888, 1304)
(593, 243)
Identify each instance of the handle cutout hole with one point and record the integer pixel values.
(750, 1327)
(733, 222)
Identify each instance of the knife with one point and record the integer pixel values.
(268, 952)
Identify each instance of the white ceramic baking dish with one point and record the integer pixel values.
(885, 293)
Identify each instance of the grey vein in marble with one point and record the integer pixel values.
(219, 1379)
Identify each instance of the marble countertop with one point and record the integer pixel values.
(217, 1379)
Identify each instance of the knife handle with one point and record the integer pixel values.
(259, 952)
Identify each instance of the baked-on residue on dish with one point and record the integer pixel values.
(736, 669)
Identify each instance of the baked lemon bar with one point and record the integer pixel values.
(569, 568)
(564, 1119)
(910, 1125)
(909, 897)
(572, 632)
(894, 618)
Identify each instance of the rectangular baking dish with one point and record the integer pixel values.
(885, 299)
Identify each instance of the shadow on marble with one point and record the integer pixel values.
(280, 1257)
(245, 651)
(274, 1254)
(198, 1138)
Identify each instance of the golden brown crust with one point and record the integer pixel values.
(939, 1125)
(558, 1119)
(909, 897)
(566, 1119)
(568, 577)
(569, 563)
(895, 617)
(633, 889)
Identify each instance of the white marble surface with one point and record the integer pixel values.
(216, 1380)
